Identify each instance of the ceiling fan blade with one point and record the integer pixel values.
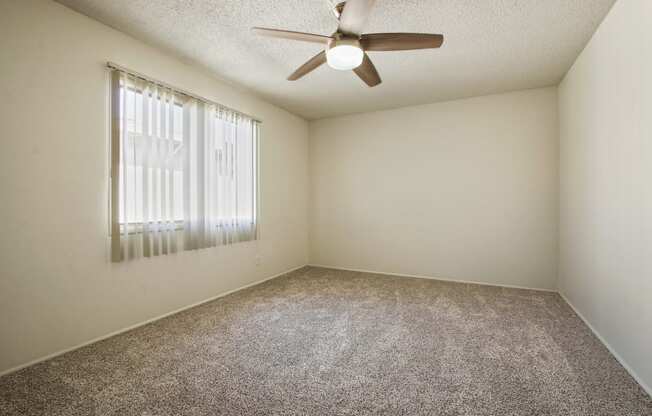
(288, 34)
(354, 16)
(400, 41)
(309, 66)
(367, 72)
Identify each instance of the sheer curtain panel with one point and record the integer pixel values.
(183, 171)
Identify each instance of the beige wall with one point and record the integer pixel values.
(463, 190)
(606, 185)
(57, 287)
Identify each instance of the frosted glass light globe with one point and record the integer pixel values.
(344, 57)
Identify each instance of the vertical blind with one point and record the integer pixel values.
(183, 171)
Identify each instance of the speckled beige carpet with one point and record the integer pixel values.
(326, 342)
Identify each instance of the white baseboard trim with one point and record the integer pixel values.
(613, 352)
(418, 276)
(149, 321)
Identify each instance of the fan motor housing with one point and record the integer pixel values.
(337, 39)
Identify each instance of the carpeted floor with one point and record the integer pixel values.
(327, 342)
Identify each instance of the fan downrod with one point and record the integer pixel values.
(338, 9)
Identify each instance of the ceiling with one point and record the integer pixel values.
(490, 46)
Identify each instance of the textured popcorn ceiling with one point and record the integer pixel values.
(490, 46)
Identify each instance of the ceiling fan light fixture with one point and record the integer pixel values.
(347, 47)
(344, 54)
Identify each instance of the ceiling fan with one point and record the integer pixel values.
(346, 48)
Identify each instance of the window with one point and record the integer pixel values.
(157, 144)
(183, 172)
